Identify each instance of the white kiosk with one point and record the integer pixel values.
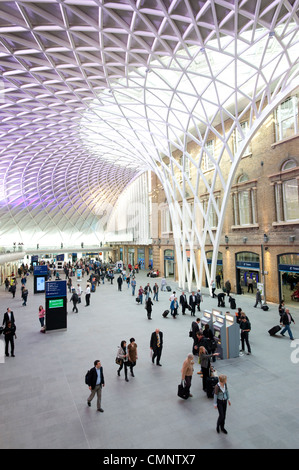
(232, 335)
(207, 319)
(219, 330)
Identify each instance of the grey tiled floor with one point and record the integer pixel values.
(43, 395)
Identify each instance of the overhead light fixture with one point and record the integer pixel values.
(266, 238)
(245, 239)
(292, 238)
(226, 239)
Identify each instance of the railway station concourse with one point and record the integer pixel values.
(162, 134)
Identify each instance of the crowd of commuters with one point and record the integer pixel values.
(204, 344)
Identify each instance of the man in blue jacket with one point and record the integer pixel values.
(95, 383)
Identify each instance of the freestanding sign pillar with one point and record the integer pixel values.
(56, 305)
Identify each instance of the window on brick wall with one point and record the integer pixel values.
(239, 136)
(287, 193)
(207, 163)
(286, 119)
(244, 202)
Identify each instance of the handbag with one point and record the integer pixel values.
(118, 361)
(182, 392)
(190, 334)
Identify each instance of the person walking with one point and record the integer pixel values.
(133, 285)
(245, 328)
(8, 317)
(140, 294)
(119, 282)
(286, 320)
(183, 302)
(228, 287)
(9, 333)
(148, 306)
(281, 309)
(174, 305)
(95, 383)
(24, 295)
(199, 299)
(41, 317)
(87, 295)
(192, 303)
(221, 398)
(187, 372)
(163, 283)
(122, 354)
(258, 298)
(156, 346)
(156, 291)
(213, 287)
(133, 356)
(75, 299)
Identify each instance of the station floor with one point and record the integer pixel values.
(43, 394)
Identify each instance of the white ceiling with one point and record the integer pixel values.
(73, 77)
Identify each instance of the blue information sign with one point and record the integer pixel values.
(290, 268)
(55, 289)
(40, 270)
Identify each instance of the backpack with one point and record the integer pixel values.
(87, 376)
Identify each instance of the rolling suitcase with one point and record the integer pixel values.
(232, 303)
(168, 288)
(165, 313)
(265, 307)
(274, 330)
(211, 382)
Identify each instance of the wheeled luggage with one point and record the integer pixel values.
(265, 307)
(182, 392)
(232, 303)
(137, 300)
(168, 288)
(210, 384)
(165, 313)
(274, 330)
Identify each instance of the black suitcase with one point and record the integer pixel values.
(274, 330)
(168, 288)
(211, 382)
(265, 307)
(165, 313)
(137, 300)
(232, 303)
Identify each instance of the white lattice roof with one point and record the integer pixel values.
(94, 92)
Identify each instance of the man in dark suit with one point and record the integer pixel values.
(156, 345)
(195, 328)
(95, 383)
(192, 303)
(8, 316)
(183, 302)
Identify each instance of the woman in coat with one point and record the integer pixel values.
(174, 305)
(132, 352)
(205, 365)
(122, 354)
(148, 306)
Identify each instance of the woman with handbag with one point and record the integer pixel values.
(122, 359)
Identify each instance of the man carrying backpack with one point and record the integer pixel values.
(95, 381)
